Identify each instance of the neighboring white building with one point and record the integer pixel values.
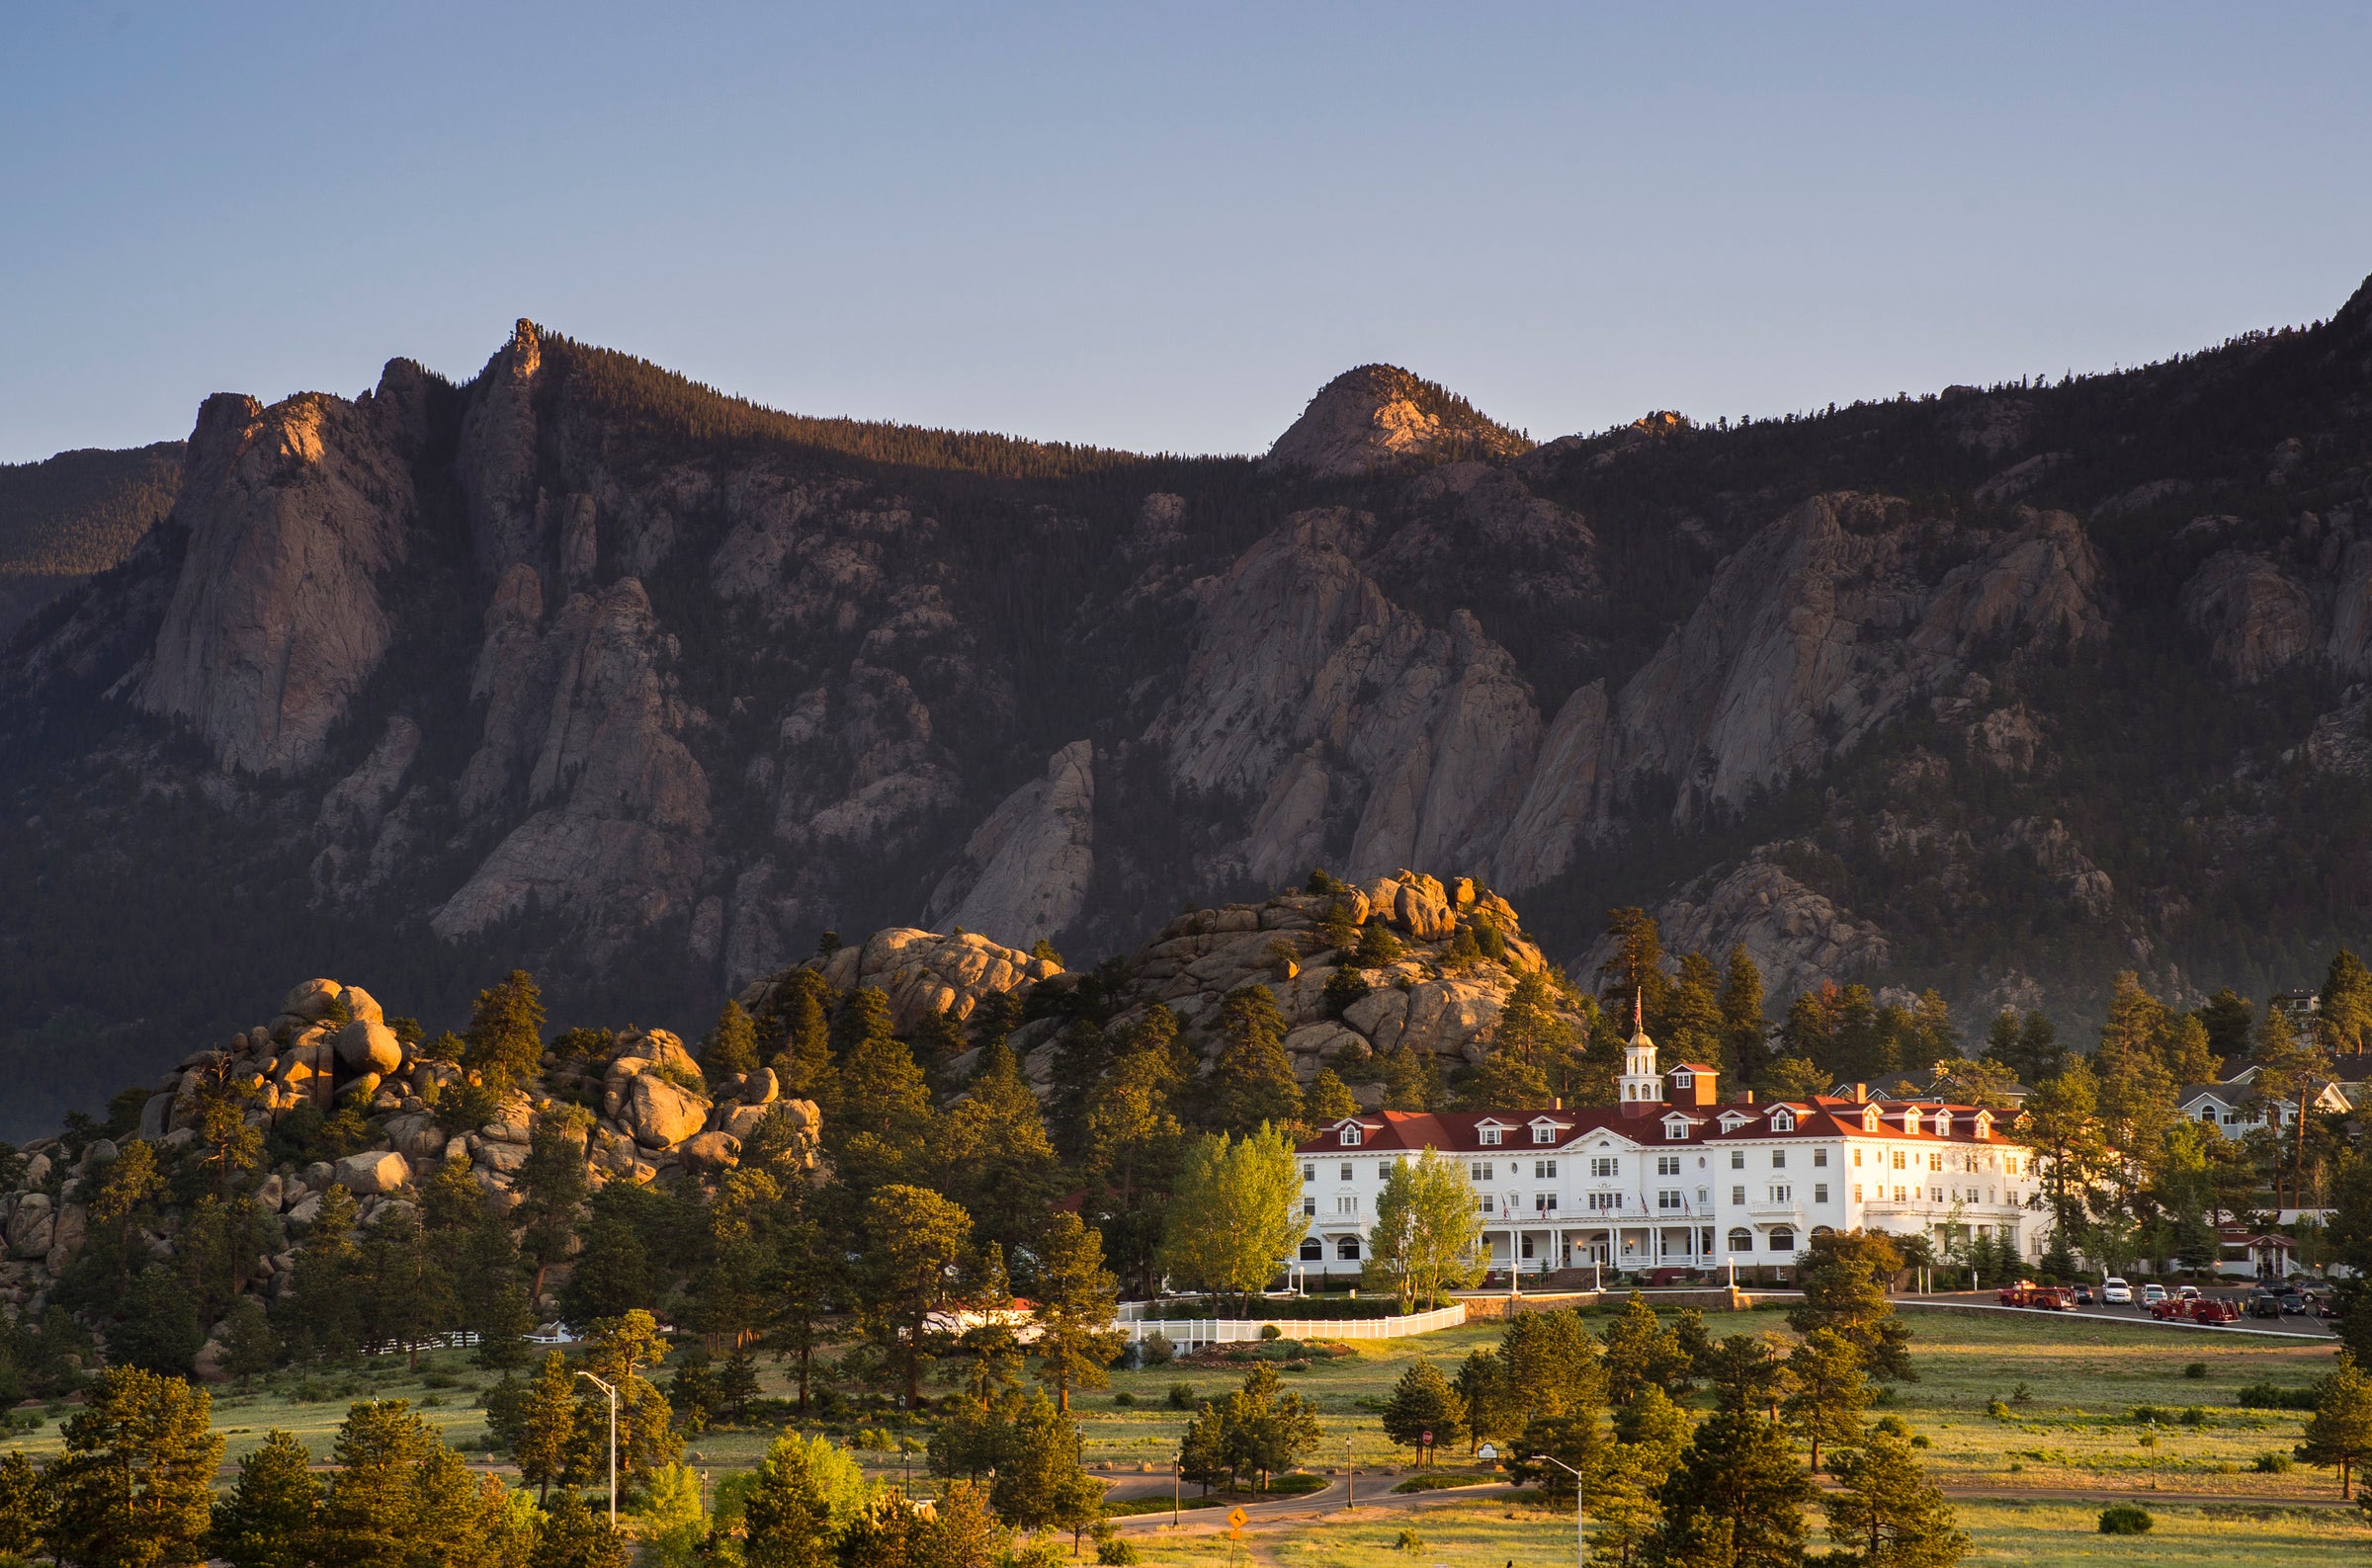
(2236, 1106)
(1670, 1179)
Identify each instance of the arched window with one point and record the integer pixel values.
(1819, 1231)
(1313, 1251)
(1742, 1240)
(1347, 1248)
(1783, 1240)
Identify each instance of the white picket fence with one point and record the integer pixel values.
(1189, 1333)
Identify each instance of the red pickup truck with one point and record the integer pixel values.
(2048, 1297)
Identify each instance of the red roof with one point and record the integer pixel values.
(1642, 1122)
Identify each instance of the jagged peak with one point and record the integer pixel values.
(1381, 416)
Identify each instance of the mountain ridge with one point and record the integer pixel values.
(610, 675)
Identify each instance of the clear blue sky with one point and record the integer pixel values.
(1162, 228)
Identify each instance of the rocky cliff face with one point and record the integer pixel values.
(581, 667)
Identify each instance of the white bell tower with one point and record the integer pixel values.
(1640, 1079)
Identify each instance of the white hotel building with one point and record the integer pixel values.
(1669, 1179)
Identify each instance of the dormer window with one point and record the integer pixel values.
(1910, 1119)
(1943, 1124)
(1731, 1121)
(1984, 1124)
(1488, 1137)
(1676, 1127)
(1682, 1080)
(1783, 1122)
(1544, 1132)
(1870, 1120)
(1350, 1137)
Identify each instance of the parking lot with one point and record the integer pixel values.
(2305, 1325)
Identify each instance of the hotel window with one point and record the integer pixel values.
(1738, 1159)
(1489, 1137)
(1347, 1248)
(1783, 1240)
(1350, 1137)
(1348, 1170)
(1781, 1121)
(1479, 1170)
(1543, 1170)
(1544, 1134)
(1308, 1173)
(1737, 1196)
(2011, 1165)
(1485, 1201)
(1667, 1165)
(1857, 1192)
(1544, 1202)
(1783, 1193)
(1600, 1202)
(1742, 1241)
(1676, 1130)
(1819, 1191)
(1705, 1195)
(1347, 1204)
(1897, 1159)
(1604, 1165)
(1936, 1162)
(1668, 1198)
(1820, 1159)
(1856, 1159)
(1899, 1194)
(1313, 1251)
(1308, 1205)
(1778, 1159)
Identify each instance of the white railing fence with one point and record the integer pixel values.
(1189, 1333)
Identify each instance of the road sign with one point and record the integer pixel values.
(1236, 1518)
(1429, 1439)
(1486, 1453)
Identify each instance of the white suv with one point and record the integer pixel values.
(2115, 1293)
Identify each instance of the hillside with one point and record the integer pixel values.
(75, 515)
(580, 667)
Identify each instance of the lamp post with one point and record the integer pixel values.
(613, 1393)
(1542, 1458)
(1177, 1484)
(1351, 1471)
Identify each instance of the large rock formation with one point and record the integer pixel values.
(1024, 870)
(1380, 416)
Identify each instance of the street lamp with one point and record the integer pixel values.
(613, 1393)
(1542, 1458)
(1352, 1472)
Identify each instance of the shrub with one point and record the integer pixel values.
(2273, 1464)
(1181, 1396)
(1113, 1550)
(1344, 986)
(1123, 1399)
(1269, 1331)
(1996, 1409)
(2195, 1371)
(1158, 1348)
(2194, 1416)
(2124, 1519)
(2272, 1396)
(2146, 1416)
(1409, 1540)
(1919, 1439)
(1894, 1424)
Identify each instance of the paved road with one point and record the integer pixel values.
(1375, 1497)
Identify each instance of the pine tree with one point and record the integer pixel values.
(1423, 1409)
(505, 1040)
(2340, 1431)
(1078, 1300)
(1827, 1391)
(1887, 1512)
(158, 1328)
(133, 1487)
(993, 1148)
(1327, 1099)
(1493, 1411)
(1843, 1277)
(2343, 1020)
(267, 1521)
(248, 1343)
(1737, 1496)
(802, 1020)
(1693, 1025)
(26, 1508)
(1743, 1028)
(732, 1047)
(1634, 970)
(1039, 1484)
(879, 1118)
(574, 1535)
(1745, 1375)
(914, 1238)
(1550, 1364)
(547, 1426)
(1253, 1083)
(788, 1514)
(864, 1016)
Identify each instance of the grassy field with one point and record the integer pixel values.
(2034, 1536)
(2081, 1378)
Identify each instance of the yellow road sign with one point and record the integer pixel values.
(1235, 1518)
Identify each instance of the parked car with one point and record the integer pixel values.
(2153, 1294)
(2189, 1293)
(2327, 1306)
(2263, 1304)
(2293, 1302)
(2115, 1291)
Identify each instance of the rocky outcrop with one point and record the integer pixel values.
(1797, 938)
(1344, 716)
(1024, 874)
(584, 726)
(1380, 416)
(1822, 628)
(920, 971)
(292, 513)
(2258, 619)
